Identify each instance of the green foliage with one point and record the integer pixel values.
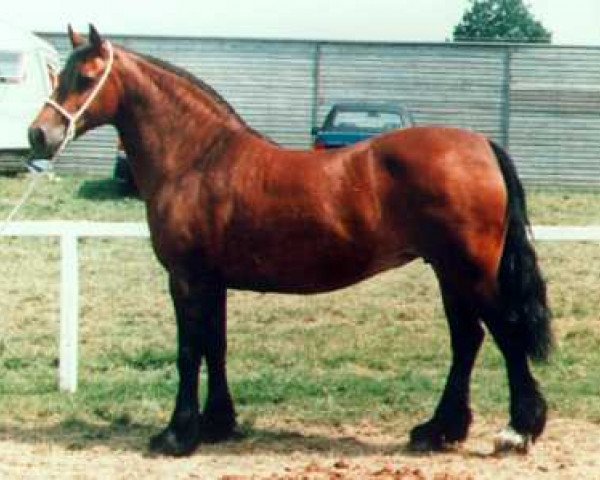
(500, 21)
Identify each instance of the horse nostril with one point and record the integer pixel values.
(37, 138)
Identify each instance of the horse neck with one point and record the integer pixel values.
(168, 125)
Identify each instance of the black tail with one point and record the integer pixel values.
(522, 288)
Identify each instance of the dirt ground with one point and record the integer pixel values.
(569, 450)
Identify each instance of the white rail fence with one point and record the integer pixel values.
(70, 232)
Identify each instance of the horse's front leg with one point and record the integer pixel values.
(200, 310)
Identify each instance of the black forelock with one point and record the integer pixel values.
(78, 55)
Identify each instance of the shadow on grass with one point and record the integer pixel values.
(103, 189)
(78, 435)
(283, 441)
(75, 434)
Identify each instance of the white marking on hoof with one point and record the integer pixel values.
(508, 440)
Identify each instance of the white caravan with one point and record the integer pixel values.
(28, 69)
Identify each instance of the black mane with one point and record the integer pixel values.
(205, 87)
(181, 72)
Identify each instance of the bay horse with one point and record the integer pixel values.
(228, 208)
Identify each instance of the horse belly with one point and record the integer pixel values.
(303, 268)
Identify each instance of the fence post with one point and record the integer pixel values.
(69, 309)
(505, 108)
(316, 86)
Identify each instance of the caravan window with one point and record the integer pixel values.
(11, 67)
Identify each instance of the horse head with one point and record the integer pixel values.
(85, 97)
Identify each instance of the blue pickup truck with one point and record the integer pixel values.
(348, 123)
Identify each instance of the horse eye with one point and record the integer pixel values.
(83, 82)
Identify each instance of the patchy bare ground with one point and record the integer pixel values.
(568, 450)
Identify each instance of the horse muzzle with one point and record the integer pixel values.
(45, 141)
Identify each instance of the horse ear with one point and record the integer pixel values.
(76, 39)
(95, 38)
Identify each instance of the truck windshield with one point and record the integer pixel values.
(11, 67)
(366, 120)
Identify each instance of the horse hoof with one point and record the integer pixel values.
(425, 446)
(509, 441)
(167, 443)
(426, 438)
(216, 430)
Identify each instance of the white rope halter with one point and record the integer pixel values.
(73, 118)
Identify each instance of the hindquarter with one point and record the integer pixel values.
(450, 190)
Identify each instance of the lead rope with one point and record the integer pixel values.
(70, 134)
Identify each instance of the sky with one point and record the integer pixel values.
(572, 22)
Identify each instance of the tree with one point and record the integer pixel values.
(500, 21)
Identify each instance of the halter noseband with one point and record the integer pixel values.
(72, 118)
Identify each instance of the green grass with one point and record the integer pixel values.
(563, 207)
(70, 198)
(378, 351)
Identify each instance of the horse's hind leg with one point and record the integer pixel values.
(451, 420)
(527, 405)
